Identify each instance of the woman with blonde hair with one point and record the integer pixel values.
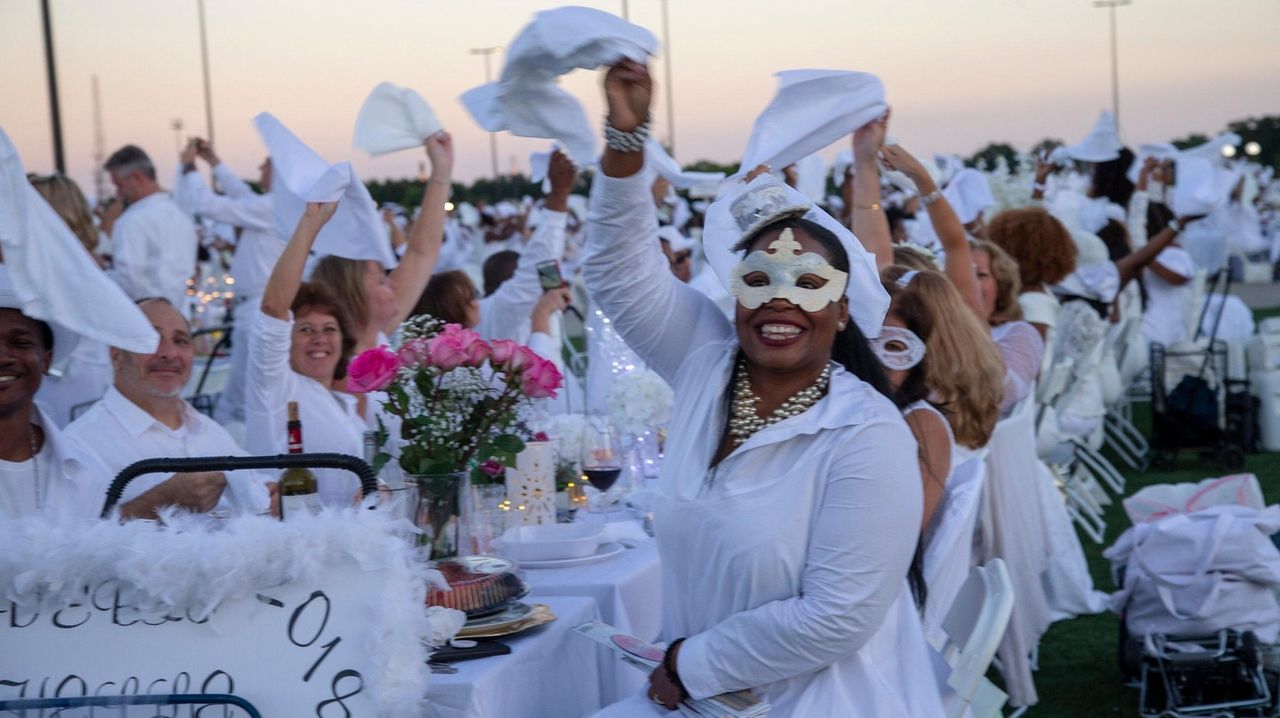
(64, 195)
(1020, 343)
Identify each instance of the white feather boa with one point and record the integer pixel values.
(186, 565)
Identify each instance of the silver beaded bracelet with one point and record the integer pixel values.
(634, 141)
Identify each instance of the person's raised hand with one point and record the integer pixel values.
(189, 152)
(440, 152)
(1185, 220)
(868, 139)
(897, 158)
(628, 91)
(1044, 167)
(552, 301)
(756, 172)
(318, 213)
(562, 173)
(205, 149)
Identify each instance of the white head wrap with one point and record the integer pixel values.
(48, 275)
(300, 176)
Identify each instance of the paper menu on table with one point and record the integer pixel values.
(646, 657)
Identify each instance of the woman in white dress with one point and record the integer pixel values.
(789, 499)
(299, 347)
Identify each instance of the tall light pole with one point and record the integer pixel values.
(1111, 6)
(55, 113)
(488, 77)
(626, 12)
(666, 63)
(204, 61)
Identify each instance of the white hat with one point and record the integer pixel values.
(526, 101)
(394, 118)
(1095, 276)
(1102, 144)
(50, 277)
(969, 193)
(355, 231)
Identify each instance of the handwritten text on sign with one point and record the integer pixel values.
(298, 650)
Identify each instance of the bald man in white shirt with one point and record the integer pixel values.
(144, 416)
(154, 243)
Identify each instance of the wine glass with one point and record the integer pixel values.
(601, 459)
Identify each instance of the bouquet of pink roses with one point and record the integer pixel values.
(458, 396)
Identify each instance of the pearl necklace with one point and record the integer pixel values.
(745, 420)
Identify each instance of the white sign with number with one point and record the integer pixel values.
(300, 650)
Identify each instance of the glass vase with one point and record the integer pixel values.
(441, 512)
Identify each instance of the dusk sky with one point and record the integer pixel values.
(958, 74)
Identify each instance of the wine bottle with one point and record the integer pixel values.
(297, 483)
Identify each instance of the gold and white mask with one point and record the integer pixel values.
(784, 264)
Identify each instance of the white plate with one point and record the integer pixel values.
(606, 551)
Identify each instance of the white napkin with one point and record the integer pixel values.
(698, 184)
(1159, 150)
(969, 193)
(394, 118)
(811, 177)
(626, 531)
(868, 300)
(811, 109)
(1200, 187)
(300, 175)
(1095, 276)
(678, 241)
(52, 277)
(1212, 150)
(1102, 144)
(526, 101)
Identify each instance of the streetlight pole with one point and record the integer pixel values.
(488, 77)
(204, 60)
(1111, 6)
(626, 14)
(55, 114)
(666, 63)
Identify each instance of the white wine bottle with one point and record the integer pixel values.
(297, 483)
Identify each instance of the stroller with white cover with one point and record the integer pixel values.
(1198, 574)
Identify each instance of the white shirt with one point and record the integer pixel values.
(709, 284)
(1022, 350)
(785, 564)
(121, 432)
(72, 479)
(505, 313)
(154, 250)
(329, 419)
(259, 247)
(1166, 319)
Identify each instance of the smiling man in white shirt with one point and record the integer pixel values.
(143, 416)
(153, 242)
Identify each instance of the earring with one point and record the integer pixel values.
(842, 325)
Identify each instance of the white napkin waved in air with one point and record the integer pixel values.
(811, 110)
(355, 231)
(527, 102)
(394, 118)
(1102, 144)
(698, 184)
(54, 278)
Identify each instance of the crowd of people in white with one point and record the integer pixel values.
(844, 364)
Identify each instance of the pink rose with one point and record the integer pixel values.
(445, 351)
(414, 352)
(521, 359)
(541, 436)
(501, 351)
(541, 379)
(493, 468)
(373, 370)
(474, 348)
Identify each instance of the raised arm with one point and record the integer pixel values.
(661, 318)
(869, 222)
(945, 223)
(286, 277)
(1132, 263)
(237, 209)
(413, 272)
(859, 550)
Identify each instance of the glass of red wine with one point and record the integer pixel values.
(601, 460)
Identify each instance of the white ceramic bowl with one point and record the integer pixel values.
(550, 542)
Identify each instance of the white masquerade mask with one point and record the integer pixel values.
(784, 268)
(898, 348)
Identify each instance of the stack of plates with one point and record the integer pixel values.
(515, 618)
(556, 545)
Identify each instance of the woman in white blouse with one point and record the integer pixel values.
(300, 345)
(786, 538)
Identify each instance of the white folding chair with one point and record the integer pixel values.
(948, 555)
(974, 626)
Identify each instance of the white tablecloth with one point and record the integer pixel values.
(628, 590)
(550, 672)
